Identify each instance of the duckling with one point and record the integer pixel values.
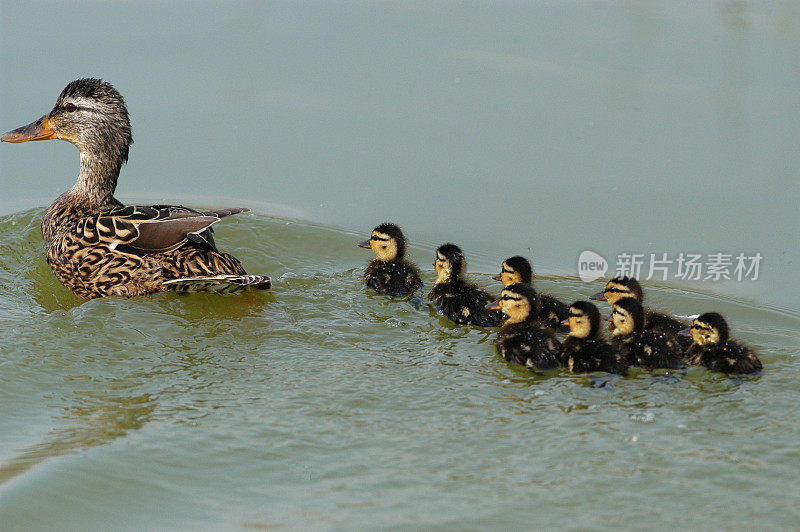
(712, 348)
(455, 298)
(620, 287)
(389, 273)
(98, 247)
(642, 348)
(583, 350)
(523, 338)
(518, 270)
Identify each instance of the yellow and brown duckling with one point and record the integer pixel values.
(583, 350)
(390, 273)
(455, 298)
(620, 287)
(96, 246)
(523, 338)
(711, 347)
(649, 349)
(518, 270)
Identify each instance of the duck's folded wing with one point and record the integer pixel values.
(152, 229)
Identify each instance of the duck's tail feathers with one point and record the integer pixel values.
(219, 283)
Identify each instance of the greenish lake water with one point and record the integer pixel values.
(539, 129)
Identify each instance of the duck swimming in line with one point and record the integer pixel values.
(518, 270)
(455, 298)
(523, 338)
(649, 349)
(712, 348)
(98, 247)
(620, 287)
(389, 273)
(583, 350)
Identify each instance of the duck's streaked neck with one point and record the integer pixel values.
(97, 180)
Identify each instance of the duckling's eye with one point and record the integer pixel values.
(69, 107)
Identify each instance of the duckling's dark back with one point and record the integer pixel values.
(529, 344)
(464, 303)
(653, 350)
(395, 278)
(581, 355)
(731, 357)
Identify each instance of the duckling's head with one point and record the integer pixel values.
(90, 114)
(518, 302)
(584, 320)
(387, 241)
(515, 270)
(450, 263)
(709, 329)
(620, 287)
(627, 317)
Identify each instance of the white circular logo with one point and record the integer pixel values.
(591, 266)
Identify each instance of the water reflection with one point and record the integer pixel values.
(94, 418)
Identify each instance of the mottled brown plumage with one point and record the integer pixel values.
(98, 247)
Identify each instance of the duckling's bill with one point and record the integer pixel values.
(38, 130)
(364, 244)
(599, 296)
(493, 305)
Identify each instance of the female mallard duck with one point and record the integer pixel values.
(523, 338)
(650, 349)
(712, 348)
(583, 350)
(518, 270)
(455, 298)
(98, 247)
(389, 273)
(620, 287)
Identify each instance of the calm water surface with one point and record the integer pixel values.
(539, 129)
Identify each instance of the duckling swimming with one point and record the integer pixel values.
(389, 273)
(518, 270)
(523, 338)
(642, 348)
(98, 247)
(583, 350)
(455, 298)
(712, 348)
(620, 287)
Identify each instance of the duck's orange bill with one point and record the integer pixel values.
(493, 305)
(599, 296)
(364, 244)
(498, 277)
(39, 130)
(565, 323)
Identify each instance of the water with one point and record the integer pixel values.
(544, 130)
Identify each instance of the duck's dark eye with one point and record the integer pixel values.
(69, 107)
